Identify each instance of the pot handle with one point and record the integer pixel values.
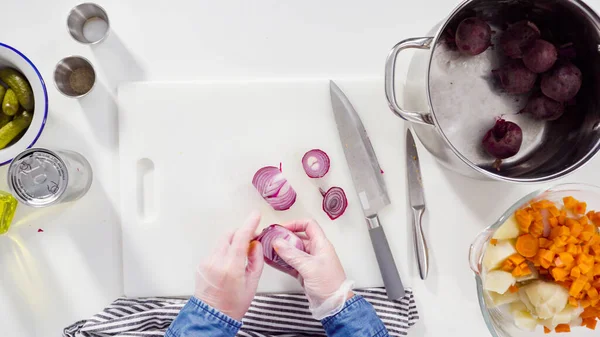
(390, 71)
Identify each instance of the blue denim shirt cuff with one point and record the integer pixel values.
(357, 318)
(197, 316)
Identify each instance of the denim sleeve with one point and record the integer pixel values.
(199, 319)
(357, 319)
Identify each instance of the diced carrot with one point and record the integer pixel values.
(562, 219)
(566, 258)
(493, 241)
(524, 219)
(545, 264)
(561, 241)
(569, 202)
(586, 236)
(560, 274)
(585, 268)
(546, 330)
(507, 265)
(584, 220)
(517, 272)
(516, 259)
(513, 289)
(553, 222)
(544, 243)
(592, 293)
(580, 208)
(526, 270)
(596, 269)
(587, 287)
(585, 303)
(575, 227)
(575, 272)
(595, 217)
(527, 245)
(595, 249)
(564, 230)
(553, 211)
(546, 254)
(562, 328)
(571, 248)
(591, 323)
(557, 249)
(577, 286)
(573, 301)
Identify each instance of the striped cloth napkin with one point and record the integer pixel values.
(270, 315)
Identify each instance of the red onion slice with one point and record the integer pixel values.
(334, 202)
(268, 236)
(315, 163)
(274, 188)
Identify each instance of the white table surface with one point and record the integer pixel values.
(73, 269)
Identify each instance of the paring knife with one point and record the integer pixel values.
(417, 203)
(369, 184)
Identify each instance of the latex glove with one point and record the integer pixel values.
(227, 280)
(319, 270)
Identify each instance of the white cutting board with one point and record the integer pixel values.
(189, 152)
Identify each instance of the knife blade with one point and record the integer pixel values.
(368, 182)
(416, 199)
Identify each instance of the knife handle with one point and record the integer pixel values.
(420, 243)
(385, 259)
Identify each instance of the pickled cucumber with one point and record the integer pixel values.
(14, 128)
(4, 119)
(17, 82)
(10, 103)
(2, 92)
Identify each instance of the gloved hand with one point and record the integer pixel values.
(224, 280)
(319, 270)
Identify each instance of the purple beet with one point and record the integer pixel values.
(518, 38)
(503, 140)
(515, 77)
(562, 83)
(543, 108)
(540, 56)
(473, 36)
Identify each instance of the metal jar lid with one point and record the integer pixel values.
(38, 177)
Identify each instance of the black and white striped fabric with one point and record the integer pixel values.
(270, 315)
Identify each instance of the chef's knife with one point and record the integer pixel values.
(368, 182)
(417, 203)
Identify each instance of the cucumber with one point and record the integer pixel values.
(14, 128)
(4, 119)
(17, 82)
(10, 103)
(2, 92)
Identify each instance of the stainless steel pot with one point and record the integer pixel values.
(550, 149)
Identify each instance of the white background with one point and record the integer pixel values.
(73, 269)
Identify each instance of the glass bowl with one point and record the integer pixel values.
(499, 323)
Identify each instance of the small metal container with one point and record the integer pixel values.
(88, 23)
(41, 177)
(74, 76)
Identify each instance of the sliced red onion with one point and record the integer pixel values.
(315, 163)
(274, 188)
(268, 236)
(334, 202)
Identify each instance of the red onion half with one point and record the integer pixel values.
(274, 188)
(334, 202)
(268, 236)
(315, 163)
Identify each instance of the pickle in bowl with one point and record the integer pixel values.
(17, 106)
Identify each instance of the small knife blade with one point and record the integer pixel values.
(369, 184)
(417, 204)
